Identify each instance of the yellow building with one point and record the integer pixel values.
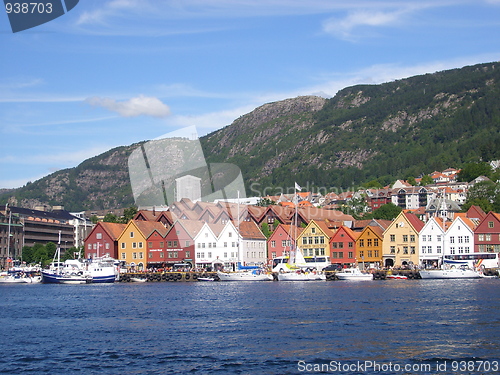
(315, 239)
(369, 246)
(132, 242)
(400, 244)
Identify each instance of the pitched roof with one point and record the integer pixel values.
(112, 229)
(250, 230)
(148, 227)
(414, 221)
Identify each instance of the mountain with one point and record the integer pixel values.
(398, 129)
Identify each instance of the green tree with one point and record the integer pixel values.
(128, 214)
(470, 171)
(110, 218)
(426, 180)
(411, 181)
(387, 212)
(265, 229)
(40, 254)
(485, 194)
(264, 202)
(27, 255)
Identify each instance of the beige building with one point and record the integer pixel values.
(400, 244)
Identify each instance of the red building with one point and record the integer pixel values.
(180, 242)
(280, 242)
(343, 246)
(156, 248)
(103, 240)
(487, 234)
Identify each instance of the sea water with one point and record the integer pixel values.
(341, 327)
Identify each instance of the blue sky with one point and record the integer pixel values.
(115, 72)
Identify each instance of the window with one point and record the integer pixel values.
(161, 254)
(412, 249)
(123, 245)
(283, 243)
(98, 236)
(438, 249)
(124, 255)
(369, 242)
(375, 242)
(134, 245)
(490, 224)
(350, 245)
(452, 239)
(393, 249)
(188, 254)
(361, 243)
(141, 255)
(405, 249)
(150, 255)
(488, 237)
(140, 245)
(412, 238)
(313, 230)
(405, 238)
(273, 254)
(460, 239)
(350, 254)
(480, 237)
(134, 255)
(361, 254)
(393, 238)
(131, 234)
(304, 241)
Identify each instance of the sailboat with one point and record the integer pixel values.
(244, 273)
(297, 268)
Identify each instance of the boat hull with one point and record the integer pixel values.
(243, 276)
(449, 274)
(353, 274)
(296, 276)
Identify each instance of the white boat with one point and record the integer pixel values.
(301, 275)
(353, 274)
(245, 275)
(396, 277)
(450, 273)
(206, 279)
(138, 279)
(20, 278)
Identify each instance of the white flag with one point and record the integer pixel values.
(297, 187)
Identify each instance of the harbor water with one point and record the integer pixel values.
(367, 327)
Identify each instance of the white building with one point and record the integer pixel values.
(431, 243)
(459, 238)
(188, 187)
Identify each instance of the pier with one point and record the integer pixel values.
(204, 276)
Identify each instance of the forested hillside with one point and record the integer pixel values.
(381, 132)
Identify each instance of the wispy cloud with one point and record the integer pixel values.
(138, 106)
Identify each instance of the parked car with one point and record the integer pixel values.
(333, 267)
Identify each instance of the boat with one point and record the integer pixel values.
(462, 272)
(245, 275)
(301, 275)
(396, 277)
(138, 279)
(20, 278)
(353, 273)
(206, 279)
(81, 271)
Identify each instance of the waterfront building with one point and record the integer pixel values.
(411, 198)
(180, 243)
(432, 242)
(132, 243)
(400, 244)
(207, 249)
(282, 240)
(11, 238)
(156, 248)
(459, 236)
(314, 240)
(342, 247)
(487, 234)
(103, 240)
(253, 244)
(369, 244)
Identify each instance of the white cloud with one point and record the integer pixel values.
(139, 106)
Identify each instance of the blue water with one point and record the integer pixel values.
(251, 328)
